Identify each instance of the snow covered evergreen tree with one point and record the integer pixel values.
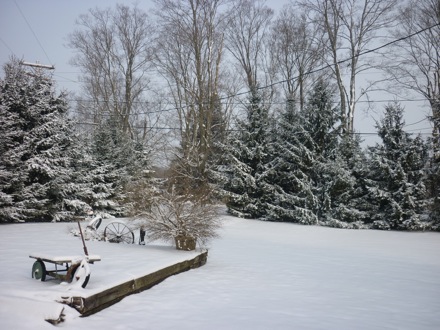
(303, 177)
(34, 146)
(349, 209)
(112, 162)
(293, 198)
(319, 120)
(433, 186)
(433, 173)
(247, 156)
(397, 192)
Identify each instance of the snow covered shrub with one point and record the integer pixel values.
(414, 225)
(435, 226)
(306, 217)
(184, 217)
(381, 224)
(77, 207)
(335, 223)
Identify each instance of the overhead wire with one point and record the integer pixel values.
(322, 68)
(6, 45)
(228, 97)
(33, 32)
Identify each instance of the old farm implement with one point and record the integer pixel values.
(74, 269)
(66, 268)
(115, 232)
(71, 269)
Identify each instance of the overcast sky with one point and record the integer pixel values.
(37, 31)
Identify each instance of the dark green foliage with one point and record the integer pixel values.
(396, 187)
(35, 142)
(433, 171)
(112, 162)
(247, 156)
(289, 173)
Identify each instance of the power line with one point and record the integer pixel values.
(6, 45)
(240, 103)
(322, 68)
(232, 130)
(30, 27)
(146, 103)
(417, 122)
(355, 56)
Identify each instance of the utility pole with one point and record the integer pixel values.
(38, 65)
(37, 68)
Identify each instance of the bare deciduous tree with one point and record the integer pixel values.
(414, 63)
(350, 27)
(113, 53)
(295, 49)
(248, 24)
(189, 56)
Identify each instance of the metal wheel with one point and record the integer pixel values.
(95, 223)
(39, 270)
(86, 280)
(77, 276)
(117, 232)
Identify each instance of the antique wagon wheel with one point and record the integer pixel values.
(118, 232)
(81, 274)
(39, 270)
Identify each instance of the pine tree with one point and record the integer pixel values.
(433, 173)
(293, 199)
(35, 141)
(397, 171)
(310, 178)
(433, 187)
(114, 161)
(319, 120)
(247, 156)
(349, 209)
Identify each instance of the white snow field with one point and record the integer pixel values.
(259, 275)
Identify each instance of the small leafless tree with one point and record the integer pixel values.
(172, 216)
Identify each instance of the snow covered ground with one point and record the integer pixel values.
(259, 275)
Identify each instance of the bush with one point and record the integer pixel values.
(185, 217)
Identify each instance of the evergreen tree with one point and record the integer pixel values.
(80, 187)
(332, 159)
(35, 141)
(433, 173)
(433, 186)
(349, 209)
(114, 161)
(247, 158)
(293, 199)
(327, 174)
(397, 192)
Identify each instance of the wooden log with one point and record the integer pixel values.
(99, 301)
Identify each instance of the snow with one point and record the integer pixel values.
(259, 275)
(61, 260)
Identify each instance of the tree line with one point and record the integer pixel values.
(182, 82)
(298, 167)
